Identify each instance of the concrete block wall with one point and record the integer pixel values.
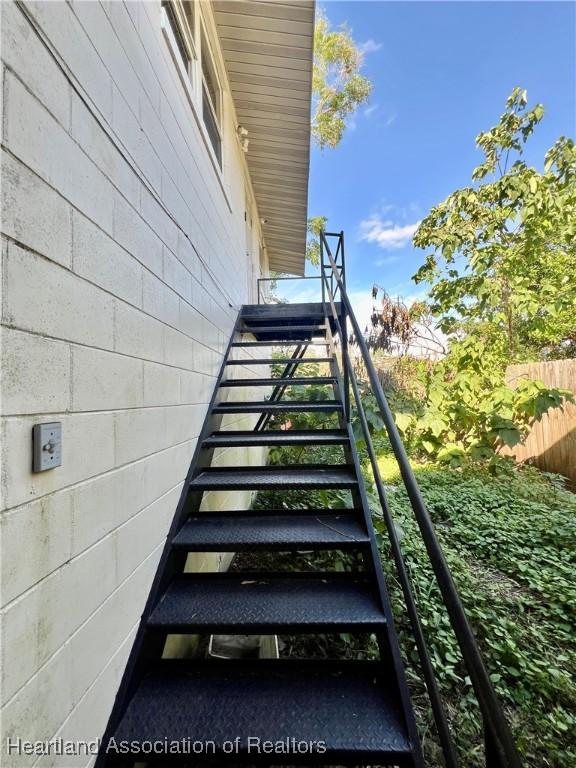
(124, 266)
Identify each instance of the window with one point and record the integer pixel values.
(211, 100)
(179, 22)
(185, 32)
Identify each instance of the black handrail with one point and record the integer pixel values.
(499, 744)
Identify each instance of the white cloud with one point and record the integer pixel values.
(386, 234)
(370, 46)
(369, 111)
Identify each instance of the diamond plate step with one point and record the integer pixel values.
(291, 477)
(227, 439)
(285, 406)
(282, 330)
(272, 530)
(273, 382)
(352, 708)
(279, 343)
(260, 603)
(283, 361)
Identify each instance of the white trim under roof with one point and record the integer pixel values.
(267, 47)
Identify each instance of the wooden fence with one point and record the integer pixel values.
(551, 445)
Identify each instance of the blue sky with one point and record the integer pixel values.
(441, 73)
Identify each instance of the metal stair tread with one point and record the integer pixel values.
(283, 361)
(273, 530)
(255, 329)
(282, 406)
(276, 437)
(269, 602)
(276, 335)
(352, 707)
(279, 343)
(294, 476)
(273, 382)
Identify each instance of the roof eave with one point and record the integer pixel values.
(268, 53)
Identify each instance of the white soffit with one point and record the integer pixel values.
(268, 48)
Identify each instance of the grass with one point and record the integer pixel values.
(510, 544)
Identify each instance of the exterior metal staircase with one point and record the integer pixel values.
(327, 711)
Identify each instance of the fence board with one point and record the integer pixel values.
(551, 445)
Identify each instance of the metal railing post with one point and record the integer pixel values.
(322, 270)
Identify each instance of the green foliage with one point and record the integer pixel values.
(338, 88)
(503, 290)
(504, 250)
(316, 224)
(466, 412)
(510, 544)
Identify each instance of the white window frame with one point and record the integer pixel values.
(192, 76)
(188, 73)
(218, 110)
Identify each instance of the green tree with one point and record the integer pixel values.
(504, 254)
(338, 87)
(315, 225)
(502, 287)
(338, 90)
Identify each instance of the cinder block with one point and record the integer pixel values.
(206, 360)
(170, 468)
(127, 125)
(188, 255)
(138, 334)
(102, 150)
(32, 212)
(35, 374)
(40, 707)
(177, 276)
(87, 451)
(178, 349)
(105, 380)
(107, 628)
(134, 234)
(98, 28)
(184, 422)
(172, 197)
(37, 68)
(160, 301)
(103, 503)
(145, 532)
(155, 130)
(28, 624)
(158, 218)
(139, 432)
(161, 385)
(73, 44)
(190, 321)
(46, 527)
(124, 17)
(45, 298)
(196, 387)
(98, 258)
(88, 719)
(34, 136)
(42, 619)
